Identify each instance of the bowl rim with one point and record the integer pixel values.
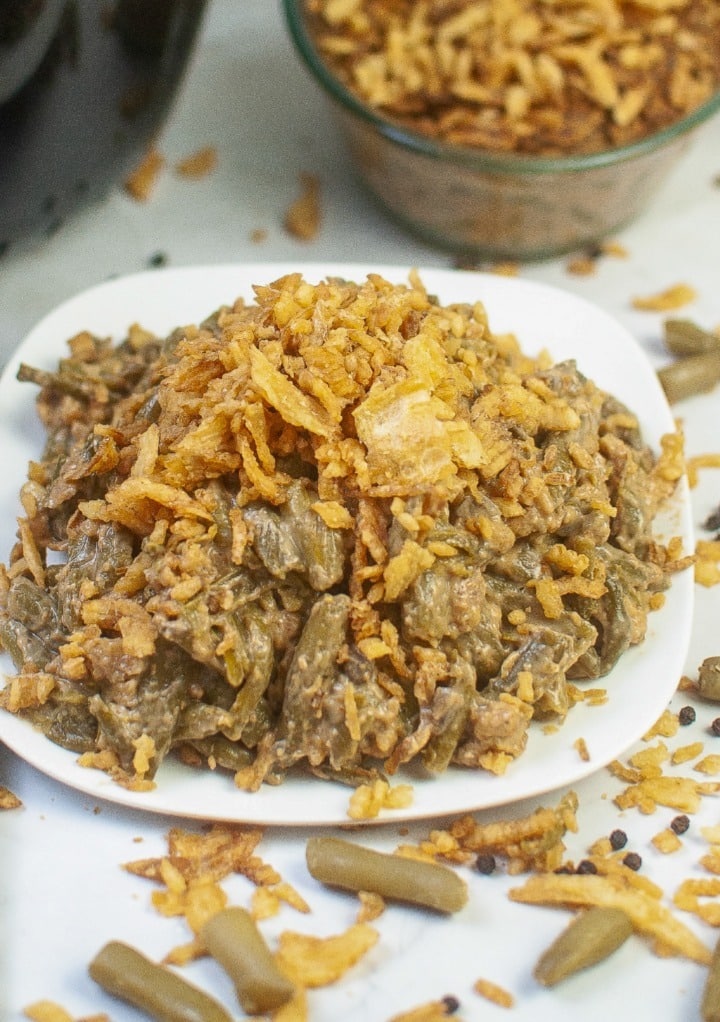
(480, 159)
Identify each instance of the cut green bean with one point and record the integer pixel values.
(161, 993)
(592, 936)
(683, 337)
(343, 864)
(709, 679)
(710, 1004)
(234, 941)
(696, 374)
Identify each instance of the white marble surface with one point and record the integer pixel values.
(62, 892)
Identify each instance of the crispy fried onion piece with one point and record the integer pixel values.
(532, 842)
(311, 961)
(646, 913)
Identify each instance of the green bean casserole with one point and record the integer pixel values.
(338, 528)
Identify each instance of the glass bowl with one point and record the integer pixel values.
(502, 206)
(84, 89)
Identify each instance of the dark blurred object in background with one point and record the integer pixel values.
(85, 86)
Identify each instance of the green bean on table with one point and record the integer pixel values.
(592, 936)
(683, 338)
(126, 973)
(709, 679)
(694, 374)
(234, 941)
(343, 864)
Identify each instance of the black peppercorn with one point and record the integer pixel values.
(633, 861)
(680, 824)
(451, 1004)
(618, 840)
(485, 863)
(586, 866)
(686, 716)
(712, 521)
(715, 726)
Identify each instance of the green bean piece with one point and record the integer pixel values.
(227, 754)
(249, 671)
(439, 751)
(683, 337)
(592, 936)
(696, 374)
(161, 993)
(710, 1004)
(234, 941)
(64, 382)
(339, 863)
(709, 679)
